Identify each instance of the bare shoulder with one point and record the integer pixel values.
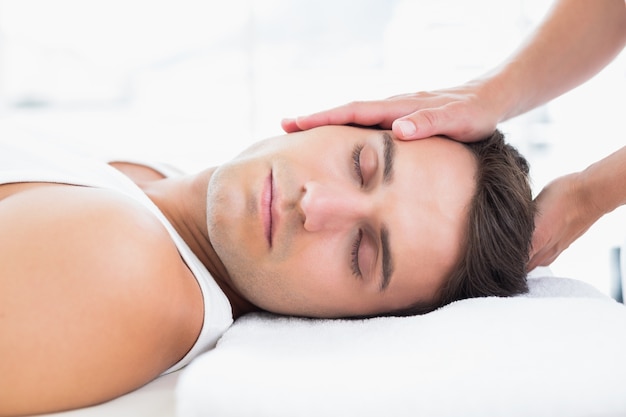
(95, 299)
(107, 228)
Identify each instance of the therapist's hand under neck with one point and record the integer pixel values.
(564, 213)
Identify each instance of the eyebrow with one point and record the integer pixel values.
(387, 261)
(389, 151)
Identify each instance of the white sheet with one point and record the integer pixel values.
(560, 351)
(155, 399)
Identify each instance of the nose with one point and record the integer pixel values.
(331, 207)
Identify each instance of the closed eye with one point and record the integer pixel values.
(356, 163)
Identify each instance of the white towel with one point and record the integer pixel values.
(560, 351)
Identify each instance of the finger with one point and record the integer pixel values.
(289, 125)
(449, 120)
(535, 261)
(421, 124)
(537, 248)
(544, 257)
(364, 113)
(538, 243)
(405, 129)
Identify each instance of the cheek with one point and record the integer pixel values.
(313, 267)
(309, 282)
(234, 232)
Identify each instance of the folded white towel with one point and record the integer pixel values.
(559, 351)
(550, 286)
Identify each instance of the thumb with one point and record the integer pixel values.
(420, 124)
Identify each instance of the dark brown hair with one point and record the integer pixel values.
(500, 224)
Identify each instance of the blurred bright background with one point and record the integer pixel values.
(192, 82)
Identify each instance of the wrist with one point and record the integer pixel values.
(591, 197)
(603, 183)
(496, 90)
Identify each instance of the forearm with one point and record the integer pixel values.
(603, 184)
(575, 41)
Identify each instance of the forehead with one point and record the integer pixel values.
(433, 185)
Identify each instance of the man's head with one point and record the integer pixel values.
(340, 221)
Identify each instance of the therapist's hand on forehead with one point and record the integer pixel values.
(575, 40)
(464, 113)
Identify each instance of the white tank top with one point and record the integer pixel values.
(28, 163)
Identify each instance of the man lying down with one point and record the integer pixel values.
(111, 275)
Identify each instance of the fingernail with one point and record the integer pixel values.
(407, 127)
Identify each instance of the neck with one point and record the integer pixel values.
(183, 202)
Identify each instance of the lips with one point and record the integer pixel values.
(266, 207)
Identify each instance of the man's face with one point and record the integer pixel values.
(340, 221)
